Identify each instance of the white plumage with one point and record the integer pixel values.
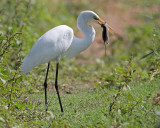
(58, 42)
(61, 41)
(49, 47)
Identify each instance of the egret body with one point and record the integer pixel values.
(59, 42)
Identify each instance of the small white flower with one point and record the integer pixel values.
(1, 119)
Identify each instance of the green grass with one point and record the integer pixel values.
(90, 107)
(79, 109)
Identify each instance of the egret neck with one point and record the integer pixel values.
(80, 44)
(88, 32)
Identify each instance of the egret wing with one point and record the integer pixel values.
(50, 46)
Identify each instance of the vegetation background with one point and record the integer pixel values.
(117, 90)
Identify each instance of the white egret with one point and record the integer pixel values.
(59, 42)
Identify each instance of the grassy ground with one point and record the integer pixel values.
(134, 107)
(97, 91)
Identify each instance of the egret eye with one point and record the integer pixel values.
(95, 17)
(99, 20)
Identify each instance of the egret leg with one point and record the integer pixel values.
(45, 87)
(56, 86)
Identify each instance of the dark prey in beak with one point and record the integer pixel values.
(105, 35)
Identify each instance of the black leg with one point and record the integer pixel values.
(56, 86)
(45, 87)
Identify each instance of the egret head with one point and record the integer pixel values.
(87, 16)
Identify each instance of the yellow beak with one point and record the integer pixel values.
(100, 21)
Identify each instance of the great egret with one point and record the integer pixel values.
(59, 42)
